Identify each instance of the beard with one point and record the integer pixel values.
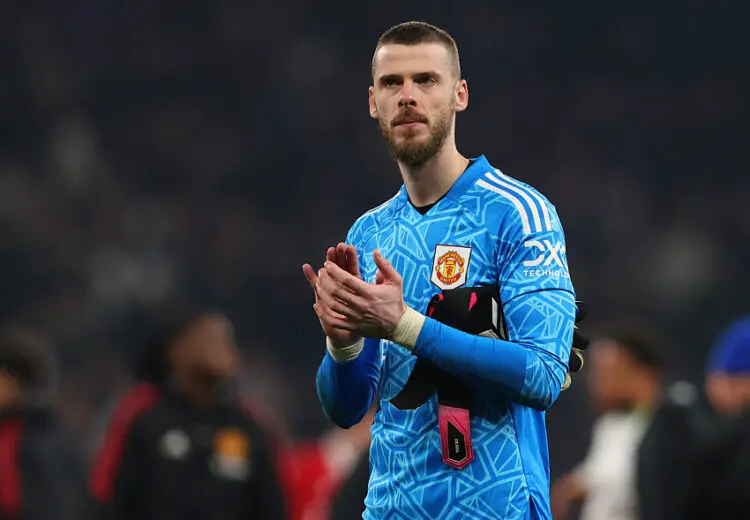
(411, 150)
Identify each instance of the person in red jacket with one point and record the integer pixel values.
(314, 471)
(41, 474)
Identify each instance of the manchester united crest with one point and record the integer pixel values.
(232, 455)
(450, 266)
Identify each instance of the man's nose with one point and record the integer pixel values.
(407, 95)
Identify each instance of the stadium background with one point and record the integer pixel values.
(152, 151)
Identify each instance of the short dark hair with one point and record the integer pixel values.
(647, 346)
(26, 357)
(160, 330)
(414, 33)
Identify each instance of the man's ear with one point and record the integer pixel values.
(462, 96)
(373, 107)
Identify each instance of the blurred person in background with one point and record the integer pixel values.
(180, 443)
(728, 370)
(349, 501)
(41, 475)
(721, 474)
(625, 378)
(680, 424)
(323, 467)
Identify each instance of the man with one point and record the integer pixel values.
(728, 370)
(41, 476)
(681, 423)
(625, 381)
(456, 225)
(180, 445)
(721, 488)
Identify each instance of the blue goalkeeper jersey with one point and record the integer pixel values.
(488, 229)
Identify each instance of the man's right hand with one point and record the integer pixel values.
(346, 258)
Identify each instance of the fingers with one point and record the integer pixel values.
(310, 274)
(322, 310)
(334, 294)
(352, 261)
(351, 282)
(334, 297)
(312, 278)
(341, 255)
(389, 272)
(330, 319)
(344, 256)
(331, 254)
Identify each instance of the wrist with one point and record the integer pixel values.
(342, 344)
(342, 353)
(408, 328)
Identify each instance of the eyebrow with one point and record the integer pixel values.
(419, 75)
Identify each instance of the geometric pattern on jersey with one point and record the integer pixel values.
(496, 216)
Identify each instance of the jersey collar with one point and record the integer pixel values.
(477, 167)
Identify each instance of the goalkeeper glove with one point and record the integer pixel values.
(475, 310)
(580, 343)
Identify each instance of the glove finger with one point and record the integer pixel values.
(575, 364)
(580, 341)
(567, 382)
(580, 311)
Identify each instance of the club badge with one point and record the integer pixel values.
(450, 266)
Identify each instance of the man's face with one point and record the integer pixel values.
(611, 369)
(11, 390)
(728, 394)
(207, 349)
(415, 97)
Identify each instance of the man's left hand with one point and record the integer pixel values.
(371, 310)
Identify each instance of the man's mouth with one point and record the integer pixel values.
(409, 121)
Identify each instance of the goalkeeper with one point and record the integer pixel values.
(466, 437)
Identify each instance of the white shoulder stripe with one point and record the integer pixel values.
(535, 194)
(517, 203)
(516, 190)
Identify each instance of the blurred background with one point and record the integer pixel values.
(202, 151)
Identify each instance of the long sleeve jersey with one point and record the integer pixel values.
(488, 229)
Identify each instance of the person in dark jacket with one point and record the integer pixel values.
(41, 477)
(721, 474)
(180, 445)
(682, 421)
(626, 366)
(694, 461)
